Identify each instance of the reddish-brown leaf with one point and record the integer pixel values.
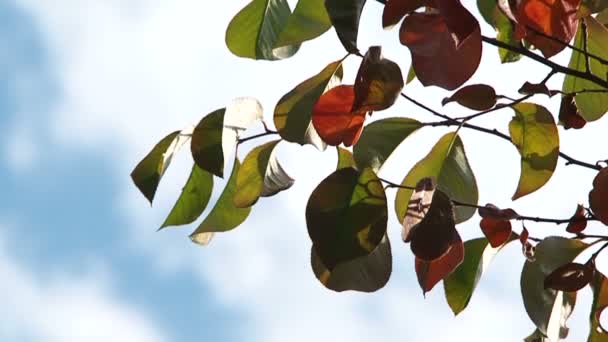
(578, 221)
(474, 96)
(526, 247)
(598, 197)
(429, 273)
(418, 206)
(379, 82)
(333, 119)
(395, 10)
(444, 53)
(493, 212)
(569, 115)
(496, 231)
(569, 277)
(554, 18)
(535, 88)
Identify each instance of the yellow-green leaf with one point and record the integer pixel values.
(599, 285)
(345, 158)
(308, 21)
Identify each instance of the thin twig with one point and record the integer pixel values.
(240, 141)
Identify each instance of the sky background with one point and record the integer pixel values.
(88, 87)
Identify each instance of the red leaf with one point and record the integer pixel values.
(429, 273)
(598, 197)
(333, 119)
(569, 277)
(493, 212)
(395, 10)
(534, 88)
(581, 222)
(444, 53)
(496, 231)
(555, 18)
(526, 247)
(569, 115)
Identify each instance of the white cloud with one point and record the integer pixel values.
(132, 71)
(65, 307)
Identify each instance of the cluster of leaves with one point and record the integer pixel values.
(347, 213)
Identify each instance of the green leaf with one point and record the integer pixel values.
(345, 16)
(460, 284)
(448, 164)
(411, 75)
(548, 309)
(224, 216)
(254, 31)
(591, 106)
(345, 158)
(346, 216)
(308, 21)
(595, 6)
(193, 199)
(261, 175)
(292, 115)
(214, 139)
(380, 138)
(599, 285)
(149, 171)
(534, 133)
(505, 28)
(365, 274)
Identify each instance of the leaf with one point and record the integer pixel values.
(378, 83)
(448, 164)
(148, 172)
(591, 106)
(578, 222)
(308, 21)
(261, 175)
(548, 309)
(345, 16)
(418, 207)
(429, 273)
(535, 135)
(493, 212)
(598, 196)
(193, 199)
(254, 31)
(534, 88)
(536, 336)
(224, 216)
(496, 231)
(380, 138)
(215, 137)
(411, 75)
(474, 96)
(395, 10)
(554, 18)
(345, 158)
(292, 115)
(595, 6)
(446, 50)
(599, 285)
(569, 115)
(365, 274)
(434, 235)
(333, 118)
(346, 216)
(505, 28)
(569, 277)
(461, 283)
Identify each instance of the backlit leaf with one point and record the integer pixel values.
(224, 216)
(346, 216)
(578, 221)
(569, 277)
(496, 231)
(505, 28)
(308, 21)
(367, 273)
(598, 197)
(549, 309)
(429, 273)
(292, 115)
(333, 118)
(254, 31)
(345, 16)
(534, 133)
(591, 106)
(448, 165)
(261, 175)
(418, 207)
(474, 96)
(535, 88)
(395, 10)
(378, 83)
(569, 115)
(380, 138)
(493, 212)
(599, 285)
(193, 199)
(460, 284)
(595, 6)
(345, 158)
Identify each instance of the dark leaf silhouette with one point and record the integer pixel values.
(418, 207)
(429, 273)
(535, 88)
(578, 221)
(395, 10)
(569, 277)
(345, 16)
(378, 83)
(598, 197)
(496, 231)
(474, 96)
(569, 115)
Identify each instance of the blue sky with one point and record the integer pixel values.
(88, 87)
